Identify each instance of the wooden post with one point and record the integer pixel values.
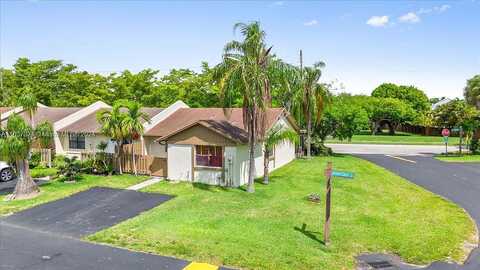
(326, 229)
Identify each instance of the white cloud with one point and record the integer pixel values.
(441, 8)
(409, 18)
(436, 9)
(378, 21)
(311, 23)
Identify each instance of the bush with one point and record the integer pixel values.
(70, 169)
(42, 172)
(319, 149)
(474, 146)
(59, 161)
(34, 160)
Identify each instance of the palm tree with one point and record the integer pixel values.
(310, 99)
(29, 104)
(15, 147)
(244, 71)
(133, 126)
(111, 122)
(275, 136)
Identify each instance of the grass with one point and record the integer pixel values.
(458, 158)
(399, 138)
(42, 172)
(55, 190)
(376, 212)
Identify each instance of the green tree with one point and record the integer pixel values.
(472, 97)
(15, 145)
(44, 133)
(310, 100)
(275, 136)
(244, 71)
(348, 120)
(132, 125)
(409, 94)
(389, 111)
(111, 122)
(472, 91)
(29, 104)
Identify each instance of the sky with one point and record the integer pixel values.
(434, 45)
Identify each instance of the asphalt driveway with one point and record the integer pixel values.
(458, 182)
(86, 212)
(46, 237)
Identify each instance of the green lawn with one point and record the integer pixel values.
(455, 158)
(376, 212)
(55, 190)
(400, 138)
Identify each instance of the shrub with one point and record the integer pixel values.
(59, 161)
(474, 146)
(34, 160)
(70, 170)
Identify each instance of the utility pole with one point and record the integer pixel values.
(326, 228)
(301, 64)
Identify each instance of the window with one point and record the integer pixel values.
(76, 141)
(209, 156)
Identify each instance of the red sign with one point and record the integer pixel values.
(445, 132)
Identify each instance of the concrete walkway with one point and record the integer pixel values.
(147, 183)
(458, 182)
(405, 150)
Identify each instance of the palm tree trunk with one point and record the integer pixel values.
(265, 167)
(119, 157)
(309, 136)
(133, 159)
(25, 187)
(251, 167)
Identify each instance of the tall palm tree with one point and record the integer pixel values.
(244, 71)
(133, 125)
(15, 147)
(273, 137)
(310, 99)
(29, 104)
(111, 122)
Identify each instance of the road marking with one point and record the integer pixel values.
(407, 160)
(200, 266)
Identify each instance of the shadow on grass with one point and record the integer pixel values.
(210, 188)
(310, 234)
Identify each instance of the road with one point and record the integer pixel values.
(390, 149)
(458, 182)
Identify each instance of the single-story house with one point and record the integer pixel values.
(186, 144)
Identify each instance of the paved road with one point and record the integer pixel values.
(389, 149)
(459, 182)
(45, 237)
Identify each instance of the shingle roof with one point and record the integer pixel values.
(49, 114)
(5, 109)
(89, 123)
(213, 118)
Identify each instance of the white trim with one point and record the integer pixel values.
(164, 114)
(76, 116)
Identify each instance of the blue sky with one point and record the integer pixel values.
(434, 45)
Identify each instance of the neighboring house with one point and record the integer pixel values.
(185, 144)
(203, 145)
(440, 103)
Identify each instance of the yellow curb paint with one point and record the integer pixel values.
(200, 266)
(404, 159)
